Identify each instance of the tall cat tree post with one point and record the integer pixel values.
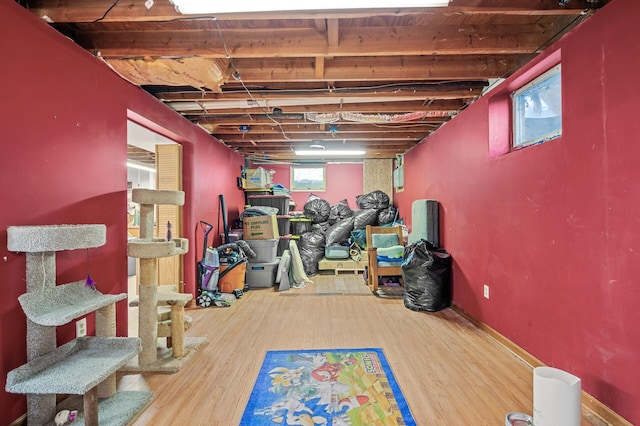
(148, 249)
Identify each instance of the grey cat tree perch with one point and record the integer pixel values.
(85, 366)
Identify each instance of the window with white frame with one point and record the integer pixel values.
(308, 178)
(537, 110)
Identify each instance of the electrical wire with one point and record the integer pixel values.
(237, 76)
(107, 12)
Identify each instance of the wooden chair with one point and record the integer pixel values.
(381, 237)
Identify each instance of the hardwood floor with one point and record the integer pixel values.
(451, 372)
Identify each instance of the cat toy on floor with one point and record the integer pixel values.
(65, 416)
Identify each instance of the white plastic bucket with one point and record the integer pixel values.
(556, 397)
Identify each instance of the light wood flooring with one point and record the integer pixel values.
(451, 373)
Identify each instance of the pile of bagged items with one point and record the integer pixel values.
(339, 225)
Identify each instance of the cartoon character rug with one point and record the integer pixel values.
(347, 387)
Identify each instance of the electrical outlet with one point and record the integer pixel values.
(81, 327)
(486, 291)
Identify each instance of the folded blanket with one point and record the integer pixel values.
(390, 254)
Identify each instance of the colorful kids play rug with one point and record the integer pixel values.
(348, 387)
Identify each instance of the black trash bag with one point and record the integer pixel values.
(374, 200)
(426, 271)
(339, 211)
(317, 210)
(311, 249)
(387, 215)
(312, 197)
(364, 217)
(321, 227)
(338, 234)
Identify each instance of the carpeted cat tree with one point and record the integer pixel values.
(149, 249)
(85, 366)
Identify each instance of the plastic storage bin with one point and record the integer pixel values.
(336, 252)
(266, 250)
(262, 275)
(284, 227)
(281, 202)
(300, 225)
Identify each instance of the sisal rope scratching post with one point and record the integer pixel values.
(106, 327)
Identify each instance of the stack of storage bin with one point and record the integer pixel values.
(261, 270)
(281, 202)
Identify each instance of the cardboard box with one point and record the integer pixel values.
(257, 178)
(260, 228)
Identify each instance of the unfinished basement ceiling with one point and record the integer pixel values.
(267, 83)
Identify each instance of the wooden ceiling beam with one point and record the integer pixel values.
(371, 152)
(158, 41)
(444, 106)
(273, 147)
(293, 136)
(313, 88)
(310, 127)
(394, 69)
(333, 35)
(319, 68)
(291, 158)
(263, 122)
(438, 92)
(135, 11)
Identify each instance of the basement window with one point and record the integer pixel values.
(308, 178)
(537, 110)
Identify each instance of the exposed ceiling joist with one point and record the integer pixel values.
(264, 83)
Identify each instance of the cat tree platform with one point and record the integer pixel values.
(121, 409)
(38, 239)
(156, 247)
(77, 368)
(63, 303)
(158, 196)
(74, 368)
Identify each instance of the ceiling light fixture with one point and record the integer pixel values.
(329, 152)
(191, 7)
(316, 146)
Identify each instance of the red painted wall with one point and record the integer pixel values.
(553, 228)
(64, 149)
(343, 181)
